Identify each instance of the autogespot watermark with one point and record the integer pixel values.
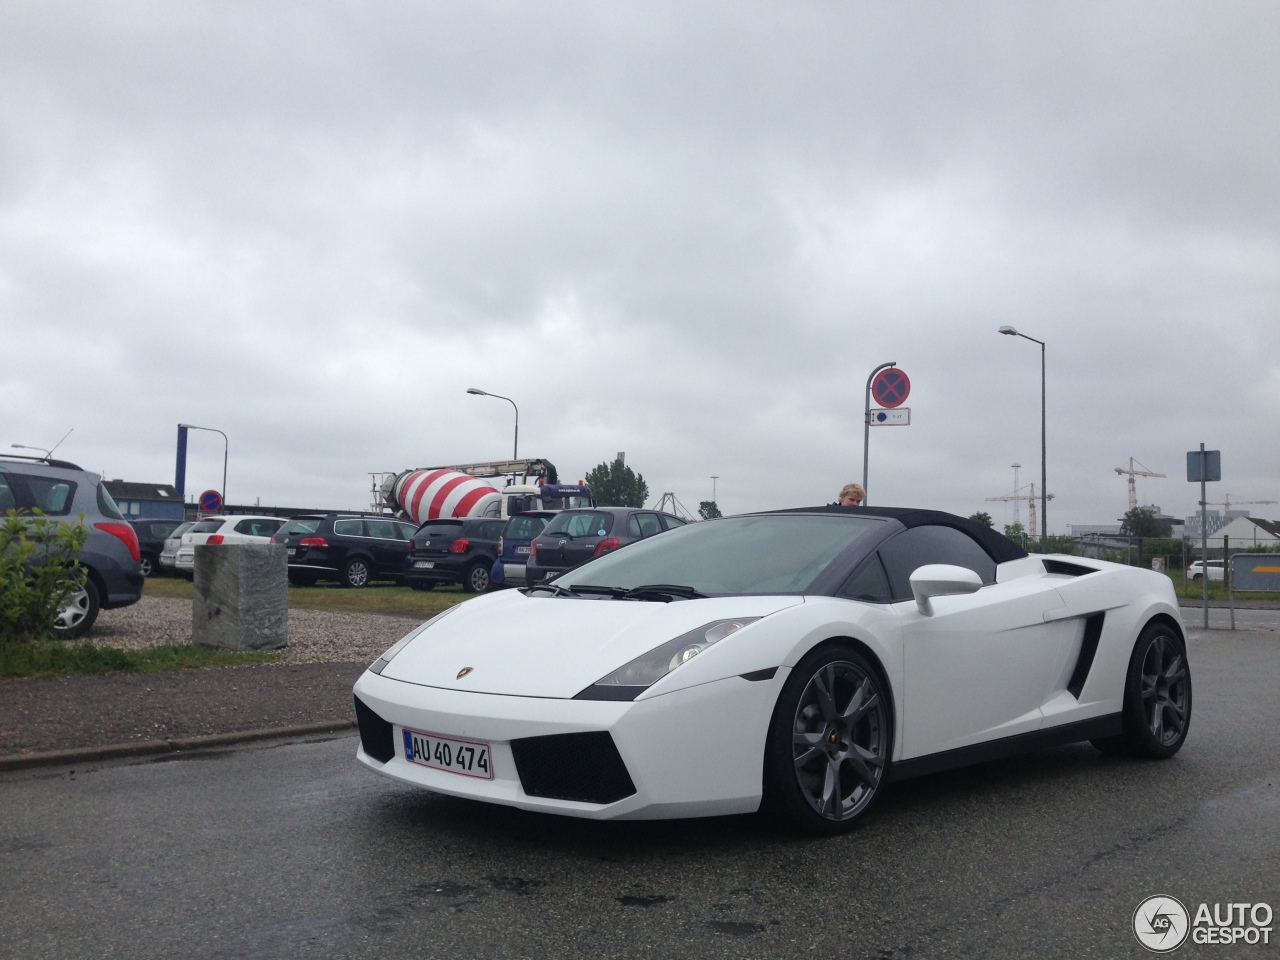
(1162, 924)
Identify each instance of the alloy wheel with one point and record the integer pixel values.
(840, 740)
(1164, 690)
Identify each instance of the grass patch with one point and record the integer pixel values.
(59, 658)
(388, 599)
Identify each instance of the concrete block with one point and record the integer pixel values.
(241, 597)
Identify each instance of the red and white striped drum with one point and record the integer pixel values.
(430, 494)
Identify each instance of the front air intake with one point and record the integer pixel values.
(572, 766)
(376, 735)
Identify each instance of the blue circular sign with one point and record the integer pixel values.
(890, 387)
(211, 501)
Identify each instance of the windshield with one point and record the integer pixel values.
(581, 524)
(737, 555)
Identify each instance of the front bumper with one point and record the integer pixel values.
(693, 752)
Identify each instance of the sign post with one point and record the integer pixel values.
(1205, 466)
(890, 387)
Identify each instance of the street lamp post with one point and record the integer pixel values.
(226, 446)
(1044, 485)
(48, 454)
(866, 428)
(23, 446)
(515, 447)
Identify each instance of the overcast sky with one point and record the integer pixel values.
(684, 231)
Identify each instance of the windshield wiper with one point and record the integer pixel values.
(553, 588)
(657, 591)
(617, 593)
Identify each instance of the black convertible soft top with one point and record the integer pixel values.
(1000, 548)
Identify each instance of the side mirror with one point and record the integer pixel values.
(941, 580)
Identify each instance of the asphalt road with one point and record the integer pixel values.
(291, 850)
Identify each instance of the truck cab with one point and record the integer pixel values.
(523, 497)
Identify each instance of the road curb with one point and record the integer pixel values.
(143, 748)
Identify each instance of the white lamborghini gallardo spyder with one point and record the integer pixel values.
(795, 660)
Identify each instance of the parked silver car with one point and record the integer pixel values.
(110, 555)
(170, 552)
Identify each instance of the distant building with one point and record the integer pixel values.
(1247, 532)
(1094, 529)
(1215, 521)
(146, 501)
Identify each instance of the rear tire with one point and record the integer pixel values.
(827, 752)
(356, 573)
(476, 579)
(1157, 694)
(77, 616)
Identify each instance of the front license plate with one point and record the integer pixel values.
(471, 758)
(423, 564)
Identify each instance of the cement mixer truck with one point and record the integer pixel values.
(465, 490)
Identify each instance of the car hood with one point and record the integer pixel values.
(544, 646)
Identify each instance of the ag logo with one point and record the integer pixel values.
(1161, 924)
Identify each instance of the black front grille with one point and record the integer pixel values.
(375, 733)
(572, 766)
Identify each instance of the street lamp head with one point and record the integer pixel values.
(1009, 331)
(477, 391)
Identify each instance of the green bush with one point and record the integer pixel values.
(38, 573)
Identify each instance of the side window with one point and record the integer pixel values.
(8, 501)
(258, 528)
(633, 526)
(106, 504)
(867, 583)
(649, 524)
(914, 548)
(406, 530)
(348, 528)
(492, 530)
(52, 496)
(382, 529)
(672, 522)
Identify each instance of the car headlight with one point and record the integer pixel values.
(380, 664)
(630, 681)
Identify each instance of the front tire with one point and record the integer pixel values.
(79, 613)
(423, 584)
(147, 565)
(827, 753)
(356, 573)
(476, 579)
(1157, 694)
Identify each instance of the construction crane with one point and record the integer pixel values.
(1031, 506)
(1133, 488)
(1227, 502)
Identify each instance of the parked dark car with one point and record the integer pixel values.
(575, 536)
(514, 544)
(110, 555)
(151, 537)
(355, 550)
(454, 551)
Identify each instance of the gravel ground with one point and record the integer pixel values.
(312, 683)
(315, 636)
